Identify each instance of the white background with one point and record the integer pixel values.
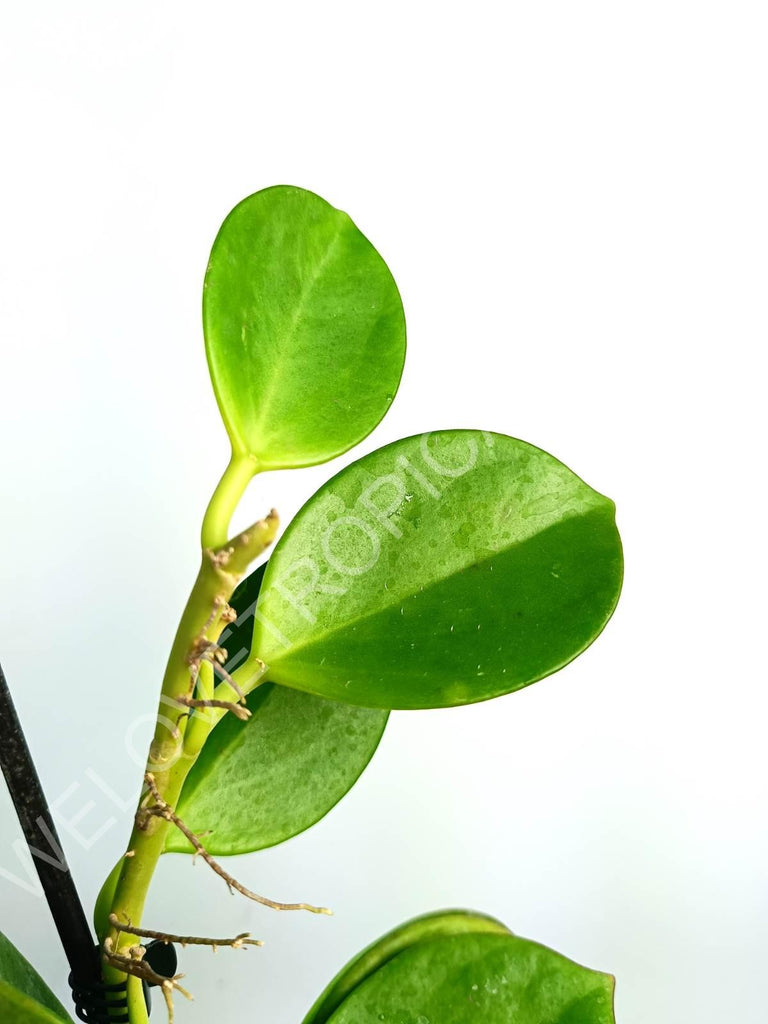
(572, 198)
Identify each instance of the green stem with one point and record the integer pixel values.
(175, 746)
(146, 845)
(137, 1007)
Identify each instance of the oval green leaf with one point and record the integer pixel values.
(304, 329)
(440, 570)
(441, 924)
(259, 782)
(24, 996)
(479, 977)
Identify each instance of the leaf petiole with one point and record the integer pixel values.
(224, 500)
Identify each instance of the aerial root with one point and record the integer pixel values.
(194, 702)
(218, 667)
(239, 941)
(162, 810)
(135, 965)
(209, 651)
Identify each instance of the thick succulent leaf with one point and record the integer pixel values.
(442, 924)
(259, 782)
(304, 329)
(479, 977)
(24, 996)
(440, 570)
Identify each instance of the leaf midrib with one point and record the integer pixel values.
(381, 609)
(266, 396)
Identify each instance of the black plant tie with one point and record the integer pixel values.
(96, 1003)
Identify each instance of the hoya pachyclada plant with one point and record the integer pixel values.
(440, 570)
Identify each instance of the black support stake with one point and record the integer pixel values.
(40, 834)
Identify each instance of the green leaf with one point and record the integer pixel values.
(24, 996)
(464, 979)
(441, 924)
(440, 570)
(259, 782)
(304, 329)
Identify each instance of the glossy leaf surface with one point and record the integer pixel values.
(304, 329)
(469, 978)
(257, 783)
(24, 996)
(443, 924)
(440, 570)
